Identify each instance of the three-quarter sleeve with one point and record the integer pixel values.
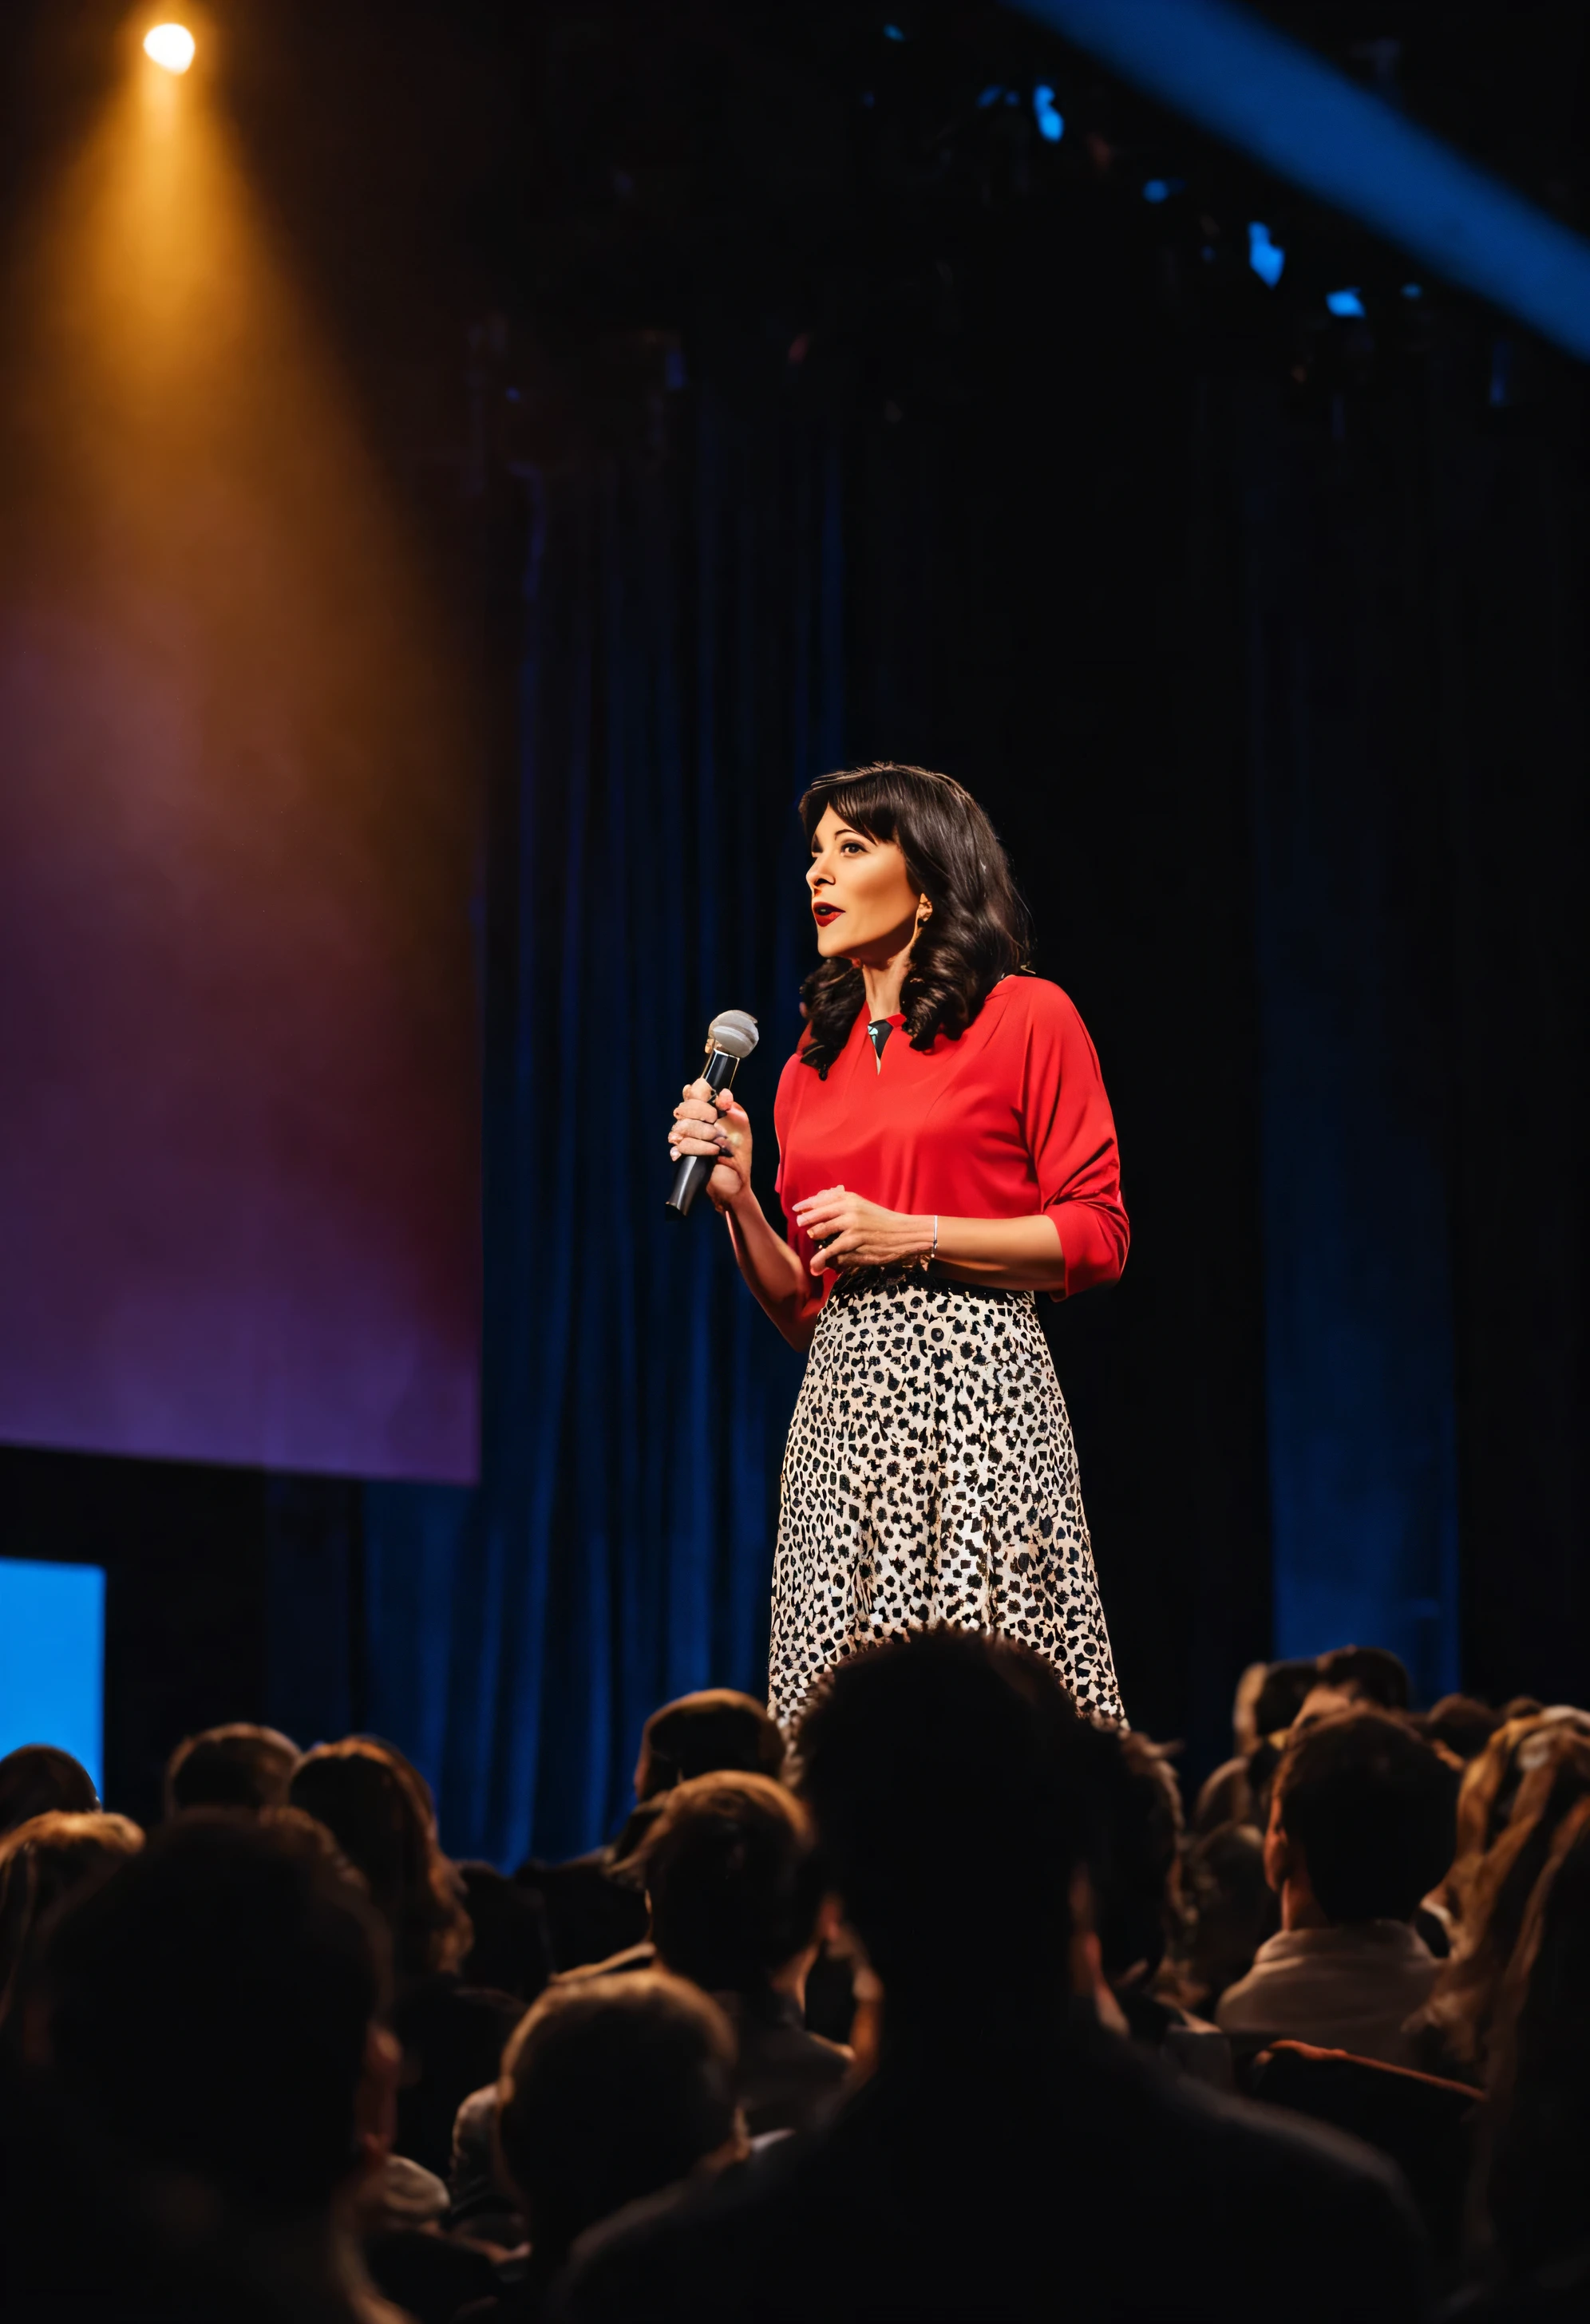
(1071, 1137)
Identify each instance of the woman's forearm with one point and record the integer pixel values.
(1010, 1254)
(782, 1288)
(1013, 1254)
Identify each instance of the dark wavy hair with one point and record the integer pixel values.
(377, 1809)
(976, 932)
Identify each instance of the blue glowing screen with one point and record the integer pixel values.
(52, 1658)
(1265, 257)
(1049, 122)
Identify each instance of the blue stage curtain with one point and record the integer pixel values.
(680, 683)
(1350, 808)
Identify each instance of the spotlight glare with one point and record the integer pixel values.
(1345, 302)
(170, 46)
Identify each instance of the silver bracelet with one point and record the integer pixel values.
(928, 1257)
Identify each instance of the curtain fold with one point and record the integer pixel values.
(1357, 1028)
(680, 683)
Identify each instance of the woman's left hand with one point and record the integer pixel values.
(857, 1233)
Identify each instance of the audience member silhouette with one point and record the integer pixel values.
(510, 1946)
(1353, 1678)
(36, 1778)
(610, 2091)
(1263, 1716)
(379, 1812)
(1139, 1909)
(736, 1901)
(1493, 1776)
(1460, 1723)
(210, 2019)
(736, 1890)
(1136, 1873)
(994, 2164)
(1539, 2163)
(595, 1905)
(1545, 1775)
(1362, 1825)
(1371, 1675)
(40, 1862)
(1233, 1909)
(239, 1766)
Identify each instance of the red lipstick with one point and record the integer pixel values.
(824, 913)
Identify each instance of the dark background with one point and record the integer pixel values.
(765, 399)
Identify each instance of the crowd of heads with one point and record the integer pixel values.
(287, 2015)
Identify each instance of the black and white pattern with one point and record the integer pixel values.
(930, 1478)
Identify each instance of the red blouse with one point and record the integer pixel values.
(1007, 1121)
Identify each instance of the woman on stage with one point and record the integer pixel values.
(947, 1151)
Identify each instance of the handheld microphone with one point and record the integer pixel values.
(730, 1038)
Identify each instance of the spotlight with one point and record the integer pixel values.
(1051, 126)
(170, 46)
(1345, 302)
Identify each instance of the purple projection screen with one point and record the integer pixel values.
(239, 1161)
(238, 1209)
(237, 1200)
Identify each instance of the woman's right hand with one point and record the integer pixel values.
(708, 1124)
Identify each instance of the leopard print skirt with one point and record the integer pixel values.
(930, 1478)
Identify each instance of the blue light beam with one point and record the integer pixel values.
(1310, 124)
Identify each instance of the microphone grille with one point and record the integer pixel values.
(733, 1031)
